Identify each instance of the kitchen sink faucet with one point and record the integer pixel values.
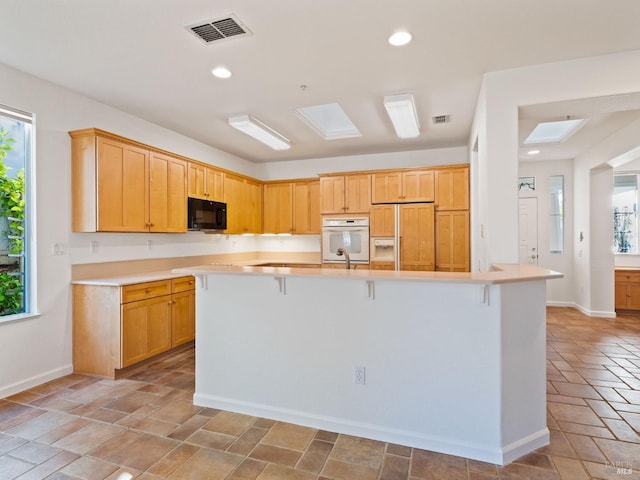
(341, 251)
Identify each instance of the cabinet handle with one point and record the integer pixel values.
(147, 290)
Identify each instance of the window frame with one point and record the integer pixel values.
(30, 244)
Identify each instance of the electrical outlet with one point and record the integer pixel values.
(93, 246)
(360, 375)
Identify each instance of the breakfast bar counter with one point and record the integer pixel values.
(448, 362)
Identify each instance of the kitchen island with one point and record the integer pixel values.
(448, 362)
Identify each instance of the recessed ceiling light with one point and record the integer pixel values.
(553, 132)
(400, 38)
(221, 72)
(533, 152)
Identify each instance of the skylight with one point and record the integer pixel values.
(553, 132)
(329, 121)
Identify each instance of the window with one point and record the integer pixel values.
(625, 213)
(15, 158)
(556, 213)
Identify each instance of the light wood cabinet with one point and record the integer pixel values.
(382, 221)
(306, 207)
(115, 327)
(627, 289)
(244, 204)
(403, 186)
(205, 182)
(452, 188)
(417, 237)
(167, 193)
(345, 193)
(183, 310)
(120, 186)
(452, 241)
(382, 265)
(277, 207)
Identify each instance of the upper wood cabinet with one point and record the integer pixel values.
(403, 186)
(119, 186)
(167, 193)
(306, 207)
(291, 207)
(206, 182)
(244, 204)
(345, 193)
(277, 207)
(452, 188)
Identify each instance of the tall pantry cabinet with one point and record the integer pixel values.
(452, 219)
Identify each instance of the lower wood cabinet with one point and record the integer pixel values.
(115, 327)
(627, 290)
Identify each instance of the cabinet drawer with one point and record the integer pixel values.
(183, 284)
(627, 276)
(142, 291)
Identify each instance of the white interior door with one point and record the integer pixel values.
(528, 231)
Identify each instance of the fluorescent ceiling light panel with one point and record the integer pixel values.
(329, 121)
(261, 132)
(553, 132)
(402, 113)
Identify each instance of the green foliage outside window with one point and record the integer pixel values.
(11, 208)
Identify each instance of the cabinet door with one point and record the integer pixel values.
(167, 194)
(196, 181)
(278, 208)
(306, 207)
(183, 317)
(417, 250)
(386, 187)
(253, 210)
(214, 184)
(357, 193)
(122, 187)
(418, 186)
(621, 294)
(146, 329)
(332, 195)
(452, 241)
(382, 221)
(233, 196)
(452, 189)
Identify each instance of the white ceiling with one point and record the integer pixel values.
(138, 57)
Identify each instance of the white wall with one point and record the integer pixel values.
(560, 290)
(495, 126)
(313, 167)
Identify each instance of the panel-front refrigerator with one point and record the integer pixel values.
(403, 236)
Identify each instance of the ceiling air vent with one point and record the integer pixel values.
(440, 119)
(219, 29)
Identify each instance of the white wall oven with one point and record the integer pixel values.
(352, 234)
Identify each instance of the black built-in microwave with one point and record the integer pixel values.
(206, 215)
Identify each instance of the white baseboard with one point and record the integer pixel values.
(525, 445)
(450, 446)
(580, 308)
(36, 380)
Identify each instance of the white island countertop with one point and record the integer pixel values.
(501, 273)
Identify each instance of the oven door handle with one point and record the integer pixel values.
(349, 229)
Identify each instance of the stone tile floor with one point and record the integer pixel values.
(79, 427)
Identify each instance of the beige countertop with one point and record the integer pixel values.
(120, 280)
(502, 273)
